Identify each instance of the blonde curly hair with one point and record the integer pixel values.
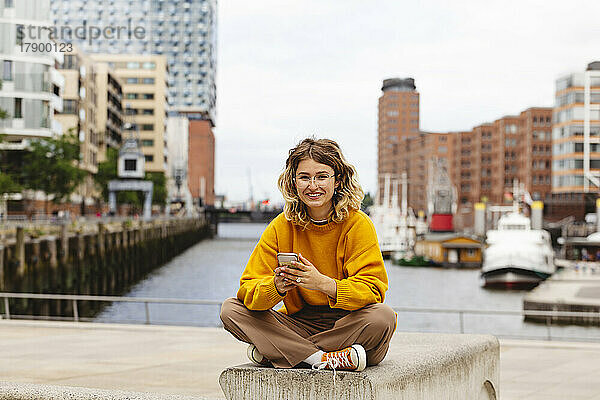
(348, 194)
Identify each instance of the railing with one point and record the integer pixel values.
(460, 313)
(117, 299)
(549, 316)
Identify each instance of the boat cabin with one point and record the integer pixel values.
(583, 248)
(450, 249)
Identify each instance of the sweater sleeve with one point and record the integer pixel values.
(257, 284)
(366, 279)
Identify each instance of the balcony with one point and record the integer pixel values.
(57, 78)
(56, 103)
(56, 127)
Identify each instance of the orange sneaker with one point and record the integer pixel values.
(353, 358)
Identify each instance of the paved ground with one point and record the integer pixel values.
(185, 360)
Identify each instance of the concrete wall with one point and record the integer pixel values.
(418, 366)
(28, 391)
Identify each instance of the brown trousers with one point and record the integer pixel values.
(287, 340)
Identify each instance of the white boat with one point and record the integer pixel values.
(516, 255)
(391, 222)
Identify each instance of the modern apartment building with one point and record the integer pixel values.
(398, 121)
(80, 107)
(92, 110)
(184, 31)
(31, 86)
(109, 116)
(576, 143)
(144, 87)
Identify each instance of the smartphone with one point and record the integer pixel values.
(285, 259)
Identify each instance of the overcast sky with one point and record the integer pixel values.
(290, 69)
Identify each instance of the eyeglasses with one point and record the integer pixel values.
(319, 180)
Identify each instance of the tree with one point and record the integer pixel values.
(107, 171)
(7, 183)
(50, 165)
(159, 180)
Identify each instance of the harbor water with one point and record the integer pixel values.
(211, 270)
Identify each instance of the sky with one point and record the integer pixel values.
(287, 70)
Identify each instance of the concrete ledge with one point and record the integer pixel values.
(418, 366)
(28, 391)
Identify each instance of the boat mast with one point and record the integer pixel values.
(404, 195)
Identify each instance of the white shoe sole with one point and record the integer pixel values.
(251, 353)
(362, 357)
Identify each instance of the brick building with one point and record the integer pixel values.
(491, 156)
(201, 162)
(420, 151)
(398, 122)
(482, 163)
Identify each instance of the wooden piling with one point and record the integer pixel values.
(1, 267)
(101, 239)
(64, 242)
(20, 250)
(53, 260)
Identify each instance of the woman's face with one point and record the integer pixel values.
(315, 183)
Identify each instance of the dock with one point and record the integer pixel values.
(576, 289)
(188, 360)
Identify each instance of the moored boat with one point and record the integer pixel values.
(516, 255)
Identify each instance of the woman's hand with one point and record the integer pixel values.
(305, 275)
(282, 284)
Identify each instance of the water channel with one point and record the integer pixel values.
(211, 270)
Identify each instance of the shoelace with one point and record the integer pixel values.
(335, 361)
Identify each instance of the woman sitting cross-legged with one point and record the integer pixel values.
(333, 315)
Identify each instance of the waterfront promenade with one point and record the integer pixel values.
(188, 360)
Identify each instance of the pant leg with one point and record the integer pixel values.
(277, 336)
(371, 326)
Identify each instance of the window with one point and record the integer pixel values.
(18, 108)
(70, 62)
(131, 96)
(133, 65)
(148, 96)
(148, 127)
(69, 106)
(148, 158)
(132, 80)
(130, 164)
(147, 142)
(9, 3)
(148, 111)
(7, 70)
(148, 81)
(149, 65)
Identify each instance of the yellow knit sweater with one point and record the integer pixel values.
(347, 252)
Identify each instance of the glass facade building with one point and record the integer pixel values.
(182, 30)
(576, 132)
(31, 86)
